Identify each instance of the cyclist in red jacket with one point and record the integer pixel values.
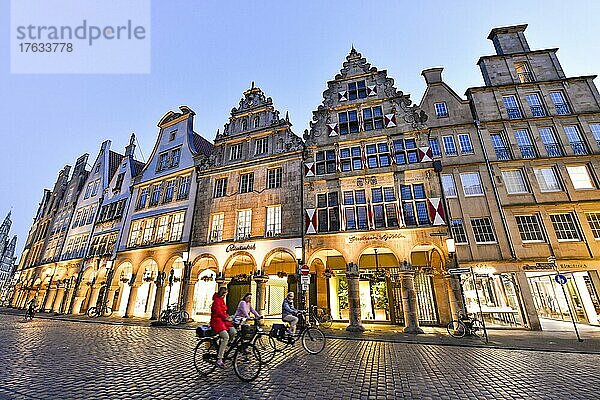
(220, 322)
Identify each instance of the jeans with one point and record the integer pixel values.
(293, 320)
(225, 336)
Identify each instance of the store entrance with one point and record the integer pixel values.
(580, 295)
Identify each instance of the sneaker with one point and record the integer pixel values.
(220, 364)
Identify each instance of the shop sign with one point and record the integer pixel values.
(240, 247)
(368, 237)
(551, 266)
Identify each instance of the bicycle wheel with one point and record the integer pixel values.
(456, 329)
(107, 312)
(92, 312)
(205, 356)
(185, 317)
(175, 318)
(326, 320)
(278, 344)
(264, 347)
(476, 328)
(164, 317)
(246, 362)
(313, 340)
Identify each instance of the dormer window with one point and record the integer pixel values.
(244, 124)
(523, 72)
(441, 110)
(256, 122)
(357, 90)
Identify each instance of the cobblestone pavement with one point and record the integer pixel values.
(61, 359)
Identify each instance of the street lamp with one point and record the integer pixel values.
(298, 253)
(451, 245)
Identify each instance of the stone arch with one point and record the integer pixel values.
(428, 257)
(328, 255)
(175, 261)
(279, 259)
(377, 256)
(123, 271)
(232, 268)
(146, 269)
(202, 262)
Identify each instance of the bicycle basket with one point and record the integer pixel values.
(278, 331)
(204, 331)
(247, 330)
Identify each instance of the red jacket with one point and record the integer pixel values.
(218, 315)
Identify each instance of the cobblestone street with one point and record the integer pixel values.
(60, 359)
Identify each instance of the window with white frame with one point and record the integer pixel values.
(385, 213)
(525, 143)
(558, 98)
(530, 228)
(471, 183)
(575, 140)
(175, 157)
(246, 182)
(235, 151)
(414, 204)
(328, 212)
(262, 146)
(405, 151)
(244, 225)
(92, 214)
(95, 188)
(449, 186)
(256, 122)
(88, 190)
(350, 158)
(547, 179)
(464, 140)
(523, 72)
(348, 122)
(441, 110)
(273, 221)
(449, 145)
(162, 228)
(372, 118)
(565, 227)
(274, 177)
(220, 187)
(580, 177)
(593, 219)
(216, 227)
(500, 148)
(514, 181)
(176, 226)
(325, 162)
(483, 231)
(357, 90)
(595, 128)
(148, 233)
(84, 216)
(169, 191)
(155, 196)
(143, 197)
(458, 232)
(355, 210)
(378, 155)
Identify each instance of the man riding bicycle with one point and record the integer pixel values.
(288, 312)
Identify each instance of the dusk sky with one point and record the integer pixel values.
(205, 54)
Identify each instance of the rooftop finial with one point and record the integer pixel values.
(252, 85)
(287, 116)
(132, 139)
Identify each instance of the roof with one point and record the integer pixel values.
(114, 160)
(201, 145)
(136, 168)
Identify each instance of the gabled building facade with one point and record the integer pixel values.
(247, 220)
(7, 258)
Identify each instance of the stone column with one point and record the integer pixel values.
(261, 284)
(80, 297)
(409, 300)
(58, 300)
(352, 276)
(222, 282)
(454, 295)
(94, 296)
(528, 304)
(131, 299)
(110, 296)
(188, 297)
(158, 300)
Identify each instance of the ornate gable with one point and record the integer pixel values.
(356, 87)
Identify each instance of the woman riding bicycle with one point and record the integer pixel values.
(220, 322)
(288, 312)
(245, 307)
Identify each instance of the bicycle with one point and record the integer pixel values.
(313, 339)
(173, 315)
(247, 362)
(29, 313)
(464, 325)
(102, 310)
(323, 317)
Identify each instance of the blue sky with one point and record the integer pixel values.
(205, 53)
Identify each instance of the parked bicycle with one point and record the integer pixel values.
(322, 316)
(307, 331)
(102, 310)
(242, 350)
(173, 315)
(464, 326)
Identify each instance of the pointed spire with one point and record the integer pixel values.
(252, 87)
(287, 116)
(130, 148)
